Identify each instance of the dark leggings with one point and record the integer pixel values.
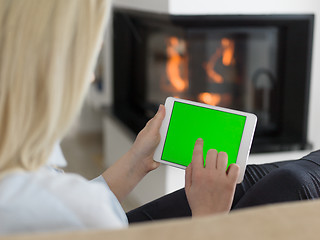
(263, 184)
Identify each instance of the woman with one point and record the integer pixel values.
(48, 50)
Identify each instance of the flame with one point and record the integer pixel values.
(226, 51)
(173, 65)
(210, 98)
(209, 67)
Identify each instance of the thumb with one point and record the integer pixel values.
(156, 121)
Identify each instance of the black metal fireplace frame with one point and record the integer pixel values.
(296, 33)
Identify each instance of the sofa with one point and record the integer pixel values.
(295, 220)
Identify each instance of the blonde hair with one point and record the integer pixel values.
(48, 50)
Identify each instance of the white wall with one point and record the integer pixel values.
(220, 7)
(241, 7)
(145, 5)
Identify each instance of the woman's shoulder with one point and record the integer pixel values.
(45, 200)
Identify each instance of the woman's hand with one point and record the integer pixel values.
(146, 142)
(127, 172)
(210, 189)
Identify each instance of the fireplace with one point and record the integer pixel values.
(254, 63)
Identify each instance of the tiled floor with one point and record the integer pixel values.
(83, 152)
(82, 147)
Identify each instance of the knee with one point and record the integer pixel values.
(292, 176)
(288, 183)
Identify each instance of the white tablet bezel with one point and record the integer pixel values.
(246, 140)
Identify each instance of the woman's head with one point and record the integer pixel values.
(48, 50)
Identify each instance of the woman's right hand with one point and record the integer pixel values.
(210, 189)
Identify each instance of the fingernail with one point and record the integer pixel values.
(199, 140)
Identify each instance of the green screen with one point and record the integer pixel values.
(219, 130)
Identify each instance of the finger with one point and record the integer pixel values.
(197, 156)
(222, 161)
(233, 172)
(188, 176)
(211, 159)
(156, 121)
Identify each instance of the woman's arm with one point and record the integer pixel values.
(127, 172)
(210, 189)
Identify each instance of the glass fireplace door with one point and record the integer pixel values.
(233, 68)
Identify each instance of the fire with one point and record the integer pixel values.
(226, 51)
(174, 63)
(177, 67)
(209, 67)
(210, 98)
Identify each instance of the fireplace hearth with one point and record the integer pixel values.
(254, 63)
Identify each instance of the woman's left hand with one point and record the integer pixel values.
(127, 172)
(146, 142)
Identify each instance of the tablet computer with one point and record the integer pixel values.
(220, 128)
